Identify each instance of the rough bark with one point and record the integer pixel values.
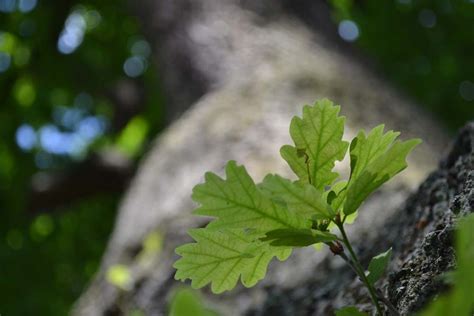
(420, 233)
(246, 69)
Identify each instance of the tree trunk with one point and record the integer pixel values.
(243, 68)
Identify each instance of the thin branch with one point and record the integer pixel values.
(359, 268)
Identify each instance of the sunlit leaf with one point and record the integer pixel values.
(238, 203)
(251, 223)
(336, 195)
(318, 134)
(365, 149)
(296, 162)
(301, 198)
(222, 257)
(378, 172)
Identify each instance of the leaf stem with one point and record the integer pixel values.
(392, 310)
(358, 267)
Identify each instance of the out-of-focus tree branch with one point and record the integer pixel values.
(104, 172)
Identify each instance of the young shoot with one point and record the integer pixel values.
(253, 223)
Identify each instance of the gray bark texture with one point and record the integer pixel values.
(242, 69)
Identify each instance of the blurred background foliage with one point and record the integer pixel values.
(80, 102)
(424, 46)
(75, 83)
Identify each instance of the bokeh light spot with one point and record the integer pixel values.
(348, 30)
(26, 5)
(141, 48)
(427, 18)
(14, 239)
(119, 275)
(25, 92)
(5, 61)
(93, 19)
(67, 117)
(26, 137)
(21, 56)
(73, 33)
(41, 227)
(7, 6)
(466, 90)
(133, 136)
(53, 140)
(73, 131)
(134, 66)
(91, 127)
(8, 42)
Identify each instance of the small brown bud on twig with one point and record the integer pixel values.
(338, 218)
(336, 248)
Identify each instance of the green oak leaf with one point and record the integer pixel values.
(300, 198)
(296, 162)
(365, 149)
(336, 195)
(377, 266)
(297, 237)
(318, 143)
(378, 172)
(238, 203)
(252, 223)
(222, 257)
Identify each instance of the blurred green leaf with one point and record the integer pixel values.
(460, 300)
(350, 311)
(25, 92)
(132, 138)
(7, 42)
(186, 302)
(41, 227)
(119, 275)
